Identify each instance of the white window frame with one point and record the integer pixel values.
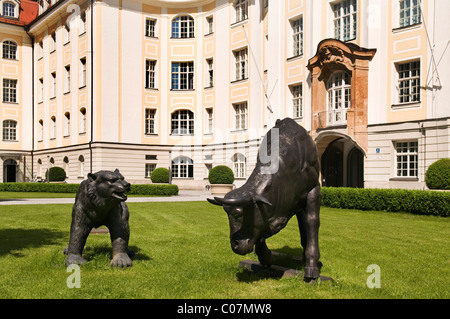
(241, 64)
(345, 19)
(150, 121)
(239, 165)
(209, 120)
(53, 127)
(209, 24)
(209, 80)
(295, 41)
(240, 116)
(82, 121)
(150, 74)
(82, 70)
(338, 97)
(10, 91)
(82, 29)
(182, 76)
(7, 7)
(9, 50)
(40, 90)
(66, 34)
(66, 124)
(9, 130)
(182, 123)
(241, 9)
(52, 40)
(406, 159)
(408, 82)
(53, 85)
(182, 167)
(297, 100)
(150, 27)
(67, 78)
(183, 27)
(149, 168)
(407, 16)
(40, 130)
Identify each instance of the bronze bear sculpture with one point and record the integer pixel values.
(100, 201)
(279, 188)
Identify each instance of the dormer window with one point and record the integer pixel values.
(9, 9)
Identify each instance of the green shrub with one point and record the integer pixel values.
(391, 200)
(136, 189)
(160, 175)
(221, 175)
(57, 174)
(438, 174)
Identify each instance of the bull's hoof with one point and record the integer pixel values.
(121, 260)
(311, 273)
(75, 259)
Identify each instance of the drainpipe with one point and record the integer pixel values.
(92, 85)
(32, 107)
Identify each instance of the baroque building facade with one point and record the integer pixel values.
(188, 85)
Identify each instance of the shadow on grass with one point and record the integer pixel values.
(285, 257)
(13, 240)
(105, 250)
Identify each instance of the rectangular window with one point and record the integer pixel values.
(149, 168)
(297, 34)
(409, 12)
(209, 121)
(150, 25)
(83, 23)
(182, 75)
(409, 82)
(241, 64)
(67, 79)
(241, 8)
(407, 159)
(241, 116)
(210, 25)
(150, 74)
(9, 90)
(297, 101)
(53, 85)
(210, 73)
(40, 90)
(66, 34)
(345, 20)
(82, 70)
(150, 121)
(9, 130)
(52, 42)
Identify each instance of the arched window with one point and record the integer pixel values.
(182, 167)
(9, 130)
(9, 9)
(41, 130)
(81, 166)
(182, 122)
(183, 27)
(9, 50)
(66, 165)
(39, 168)
(82, 119)
(339, 97)
(239, 165)
(67, 124)
(53, 127)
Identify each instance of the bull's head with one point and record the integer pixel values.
(248, 218)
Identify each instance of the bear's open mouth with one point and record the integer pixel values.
(119, 195)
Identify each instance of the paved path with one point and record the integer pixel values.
(183, 196)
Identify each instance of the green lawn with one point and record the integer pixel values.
(183, 252)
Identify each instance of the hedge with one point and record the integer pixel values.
(437, 175)
(221, 175)
(391, 200)
(136, 189)
(160, 175)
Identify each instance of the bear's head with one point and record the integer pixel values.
(106, 186)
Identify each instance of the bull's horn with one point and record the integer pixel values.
(213, 201)
(240, 201)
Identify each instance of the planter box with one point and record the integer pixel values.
(221, 189)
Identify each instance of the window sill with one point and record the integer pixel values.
(82, 87)
(408, 105)
(152, 37)
(238, 23)
(238, 131)
(10, 60)
(295, 57)
(10, 141)
(182, 90)
(209, 87)
(407, 28)
(151, 134)
(240, 80)
(151, 89)
(404, 179)
(181, 135)
(7, 102)
(209, 34)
